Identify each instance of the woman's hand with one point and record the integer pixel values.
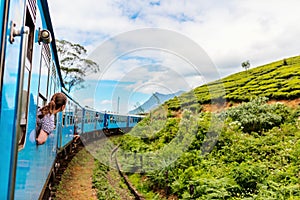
(42, 137)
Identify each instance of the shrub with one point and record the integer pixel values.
(257, 115)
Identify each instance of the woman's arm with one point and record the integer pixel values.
(46, 128)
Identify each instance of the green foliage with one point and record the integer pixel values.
(246, 65)
(256, 115)
(173, 104)
(74, 65)
(251, 151)
(100, 182)
(279, 80)
(254, 153)
(144, 187)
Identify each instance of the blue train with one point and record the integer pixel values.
(30, 74)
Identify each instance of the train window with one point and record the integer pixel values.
(63, 119)
(53, 87)
(53, 78)
(55, 120)
(79, 115)
(41, 101)
(30, 23)
(67, 120)
(24, 108)
(72, 120)
(44, 74)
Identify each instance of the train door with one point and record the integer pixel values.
(3, 27)
(12, 62)
(127, 122)
(105, 125)
(3, 17)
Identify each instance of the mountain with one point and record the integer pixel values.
(155, 100)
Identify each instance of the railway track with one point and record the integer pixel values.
(131, 188)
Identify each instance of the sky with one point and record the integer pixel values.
(165, 46)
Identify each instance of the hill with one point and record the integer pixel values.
(248, 151)
(155, 100)
(278, 80)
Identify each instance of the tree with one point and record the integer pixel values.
(246, 65)
(285, 62)
(74, 65)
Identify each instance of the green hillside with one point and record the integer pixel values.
(279, 80)
(248, 151)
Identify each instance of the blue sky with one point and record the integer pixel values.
(135, 61)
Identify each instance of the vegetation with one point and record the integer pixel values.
(246, 65)
(73, 64)
(277, 80)
(248, 151)
(104, 189)
(251, 156)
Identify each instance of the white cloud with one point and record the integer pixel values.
(88, 102)
(105, 102)
(222, 28)
(230, 32)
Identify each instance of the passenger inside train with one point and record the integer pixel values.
(45, 117)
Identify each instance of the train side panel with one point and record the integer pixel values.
(68, 125)
(133, 120)
(40, 83)
(90, 122)
(100, 121)
(121, 121)
(9, 96)
(30, 76)
(78, 120)
(2, 13)
(116, 121)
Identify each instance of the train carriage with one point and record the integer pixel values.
(29, 76)
(90, 121)
(71, 123)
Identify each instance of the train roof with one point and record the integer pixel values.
(117, 114)
(45, 8)
(110, 113)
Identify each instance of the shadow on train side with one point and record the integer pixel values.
(29, 75)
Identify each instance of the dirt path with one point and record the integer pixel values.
(76, 181)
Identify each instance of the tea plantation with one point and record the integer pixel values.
(247, 151)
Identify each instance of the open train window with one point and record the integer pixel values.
(30, 17)
(44, 71)
(68, 119)
(63, 119)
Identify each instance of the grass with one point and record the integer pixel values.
(144, 187)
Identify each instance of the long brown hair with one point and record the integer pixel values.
(57, 101)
